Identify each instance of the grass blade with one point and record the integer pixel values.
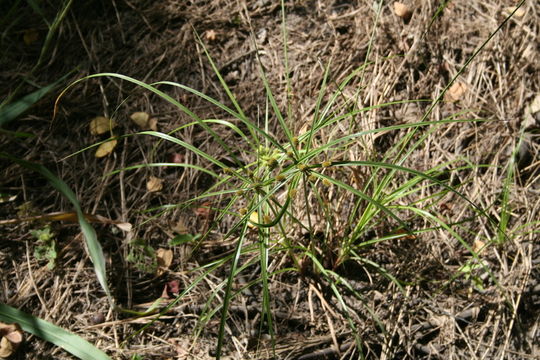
(70, 342)
(11, 111)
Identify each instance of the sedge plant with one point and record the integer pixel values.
(298, 202)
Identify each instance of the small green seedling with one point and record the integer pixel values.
(46, 247)
(470, 271)
(142, 256)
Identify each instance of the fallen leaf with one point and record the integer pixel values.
(173, 287)
(210, 35)
(154, 184)
(11, 337)
(100, 125)
(304, 129)
(176, 158)
(164, 260)
(141, 119)
(181, 239)
(204, 210)
(510, 9)
(106, 148)
(124, 226)
(403, 11)
(478, 245)
(152, 124)
(7, 198)
(180, 227)
(456, 92)
(406, 235)
(30, 36)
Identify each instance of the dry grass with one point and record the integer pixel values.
(152, 42)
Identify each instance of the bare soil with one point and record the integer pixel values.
(436, 317)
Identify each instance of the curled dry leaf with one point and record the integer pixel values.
(106, 148)
(164, 260)
(141, 119)
(100, 125)
(11, 337)
(154, 184)
(403, 11)
(456, 92)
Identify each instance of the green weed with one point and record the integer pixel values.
(46, 246)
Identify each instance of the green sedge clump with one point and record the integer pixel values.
(326, 164)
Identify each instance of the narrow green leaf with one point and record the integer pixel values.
(70, 342)
(11, 111)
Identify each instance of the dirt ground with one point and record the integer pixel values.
(435, 317)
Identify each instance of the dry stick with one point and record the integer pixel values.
(129, 287)
(329, 321)
(33, 283)
(326, 352)
(387, 344)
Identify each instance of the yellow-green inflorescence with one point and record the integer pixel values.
(268, 157)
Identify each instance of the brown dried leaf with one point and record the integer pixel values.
(478, 245)
(152, 124)
(106, 148)
(173, 287)
(510, 9)
(154, 184)
(100, 125)
(11, 337)
(210, 35)
(204, 210)
(124, 226)
(403, 11)
(180, 228)
(164, 260)
(176, 158)
(456, 92)
(304, 129)
(141, 119)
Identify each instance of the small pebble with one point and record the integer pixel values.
(97, 318)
